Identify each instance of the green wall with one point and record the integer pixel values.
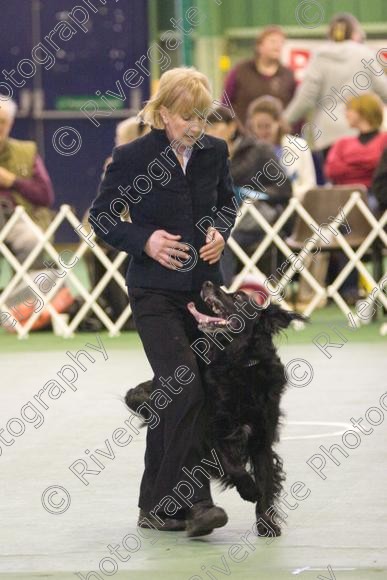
(229, 27)
(250, 13)
(256, 13)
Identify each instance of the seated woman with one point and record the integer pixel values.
(354, 159)
(23, 181)
(254, 166)
(265, 122)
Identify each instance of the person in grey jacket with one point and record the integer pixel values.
(343, 68)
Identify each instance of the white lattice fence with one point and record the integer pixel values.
(354, 256)
(271, 237)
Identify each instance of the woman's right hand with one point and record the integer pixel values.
(164, 248)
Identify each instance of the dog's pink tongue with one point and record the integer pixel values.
(201, 317)
(191, 307)
(193, 310)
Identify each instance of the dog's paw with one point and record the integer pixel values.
(266, 527)
(137, 396)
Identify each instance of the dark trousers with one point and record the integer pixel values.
(167, 330)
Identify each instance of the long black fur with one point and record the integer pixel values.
(243, 402)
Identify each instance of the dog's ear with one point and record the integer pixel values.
(274, 318)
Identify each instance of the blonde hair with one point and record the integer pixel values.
(129, 129)
(369, 107)
(180, 90)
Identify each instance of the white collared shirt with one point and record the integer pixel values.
(186, 157)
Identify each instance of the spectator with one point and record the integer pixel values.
(126, 131)
(23, 181)
(354, 159)
(379, 184)
(262, 75)
(129, 129)
(249, 157)
(329, 82)
(265, 122)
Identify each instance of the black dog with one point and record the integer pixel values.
(244, 381)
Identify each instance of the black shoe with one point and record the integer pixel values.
(169, 525)
(203, 517)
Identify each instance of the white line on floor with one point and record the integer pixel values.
(318, 435)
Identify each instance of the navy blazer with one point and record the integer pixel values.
(146, 177)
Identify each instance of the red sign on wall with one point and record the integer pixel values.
(298, 59)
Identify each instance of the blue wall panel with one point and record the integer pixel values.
(78, 62)
(94, 58)
(15, 40)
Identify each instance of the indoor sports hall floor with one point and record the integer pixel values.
(339, 531)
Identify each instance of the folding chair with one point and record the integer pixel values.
(323, 204)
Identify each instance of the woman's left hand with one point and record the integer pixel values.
(213, 248)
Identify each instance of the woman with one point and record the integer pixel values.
(354, 159)
(249, 157)
(173, 180)
(261, 75)
(23, 181)
(265, 122)
(331, 77)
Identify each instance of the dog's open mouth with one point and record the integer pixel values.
(208, 323)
